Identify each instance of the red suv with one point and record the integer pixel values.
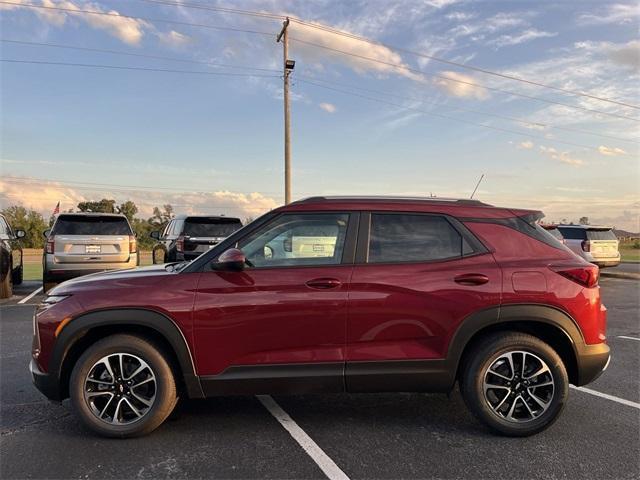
(334, 294)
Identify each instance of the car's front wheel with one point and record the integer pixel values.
(122, 386)
(515, 383)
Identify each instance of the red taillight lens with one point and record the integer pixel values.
(586, 245)
(133, 246)
(180, 244)
(586, 276)
(50, 246)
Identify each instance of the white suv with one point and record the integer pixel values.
(597, 245)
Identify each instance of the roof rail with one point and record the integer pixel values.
(383, 198)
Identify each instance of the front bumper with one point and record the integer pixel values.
(47, 385)
(593, 360)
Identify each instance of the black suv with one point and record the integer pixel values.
(188, 236)
(10, 258)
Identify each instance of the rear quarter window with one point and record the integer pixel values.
(97, 225)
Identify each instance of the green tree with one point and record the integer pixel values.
(584, 221)
(102, 206)
(128, 209)
(30, 221)
(161, 217)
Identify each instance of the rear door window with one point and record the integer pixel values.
(573, 233)
(91, 225)
(601, 235)
(210, 227)
(413, 238)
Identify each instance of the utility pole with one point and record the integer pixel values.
(287, 66)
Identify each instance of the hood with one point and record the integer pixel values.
(112, 275)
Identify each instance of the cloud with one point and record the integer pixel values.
(617, 13)
(526, 145)
(328, 107)
(458, 88)
(173, 38)
(128, 30)
(611, 151)
(43, 196)
(385, 60)
(626, 54)
(562, 157)
(522, 37)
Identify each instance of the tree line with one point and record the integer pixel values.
(34, 223)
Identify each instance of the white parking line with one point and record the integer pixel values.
(30, 296)
(330, 469)
(628, 338)
(628, 403)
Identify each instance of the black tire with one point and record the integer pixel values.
(164, 399)
(18, 275)
(490, 352)
(6, 286)
(159, 256)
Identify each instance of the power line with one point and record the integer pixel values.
(144, 69)
(132, 54)
(469, 122)
(464, 82)
(522, 121)
(335, 31)
(132, 17)
(462, 65)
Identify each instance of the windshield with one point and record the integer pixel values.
(91, 225)
(211, 227)
(601, 235)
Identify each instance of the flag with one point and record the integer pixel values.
(56, 210)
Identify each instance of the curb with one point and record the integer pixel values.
(624, 275)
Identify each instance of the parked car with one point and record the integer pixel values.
(334, 294)
(598, 245)
(188, 236)
(11, 267)
(83, 243)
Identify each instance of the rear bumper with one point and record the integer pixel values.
(607, 263)
(59, 272)
(47, 385)
(592, 361)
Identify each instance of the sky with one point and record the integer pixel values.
(183, 105)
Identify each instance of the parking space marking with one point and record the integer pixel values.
(628, 403)
(328, 466)
(628, 338)
(30, 296)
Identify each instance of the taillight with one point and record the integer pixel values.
(180, 244)
(586, 276)
(133, 246)
(49, 248)
(586, 246)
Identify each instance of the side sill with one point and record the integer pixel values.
(434, 376)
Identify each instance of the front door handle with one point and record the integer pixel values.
(323, 283)
(471, 279)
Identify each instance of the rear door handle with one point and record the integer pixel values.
(471, 279)
(324, 283)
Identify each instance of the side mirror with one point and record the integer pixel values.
(20, 233)
(232, 260)
(155, 235)
(47, 232)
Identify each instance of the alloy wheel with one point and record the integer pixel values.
(120, 388)
(518, 386)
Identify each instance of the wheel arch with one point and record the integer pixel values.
(547, 323)
(86, 329)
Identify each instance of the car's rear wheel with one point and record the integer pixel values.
(515, 383)
(122, 386)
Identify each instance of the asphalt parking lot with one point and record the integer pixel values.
(362, 436)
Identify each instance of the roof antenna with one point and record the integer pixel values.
(477, 185)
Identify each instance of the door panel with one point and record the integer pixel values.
(269, 316)
(411, 311)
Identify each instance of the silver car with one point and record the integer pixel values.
(598, 245)
(82, 243)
